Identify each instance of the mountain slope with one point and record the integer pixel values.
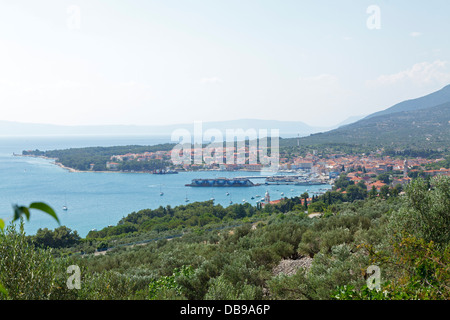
(433, 99)
(421, 128)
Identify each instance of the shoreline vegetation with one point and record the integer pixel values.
(59, 164)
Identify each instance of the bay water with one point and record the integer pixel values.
(98, 199)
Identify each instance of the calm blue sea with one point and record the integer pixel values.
(96, 200)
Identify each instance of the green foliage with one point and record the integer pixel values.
(235, 259)
(26, 272)
(349, 292)
(61, 237)
(197, 214)
(425, 269)
(421, 271)
(356, 192)
(342, 182)
(19, 211)
(341, 267)
(426, 212)
(157, 288)
(222, 289)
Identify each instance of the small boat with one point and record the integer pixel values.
(252, 198)
(228, 193)
(65, 204)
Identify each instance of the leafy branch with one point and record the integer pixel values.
(20, 211)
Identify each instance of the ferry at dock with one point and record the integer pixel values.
(222, 182)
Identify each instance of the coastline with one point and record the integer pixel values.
(59, 164)
(54, 162)
(72, 170)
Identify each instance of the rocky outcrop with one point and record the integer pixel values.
(290, 266)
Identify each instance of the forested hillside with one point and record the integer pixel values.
(82, 158)
(418, 129)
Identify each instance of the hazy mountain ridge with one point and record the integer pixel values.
(422, 123)
(286, 128)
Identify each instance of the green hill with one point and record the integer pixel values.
(412, 128)
(433, 99)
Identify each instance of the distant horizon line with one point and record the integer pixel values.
(178, 123)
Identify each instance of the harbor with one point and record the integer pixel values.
(98, 199)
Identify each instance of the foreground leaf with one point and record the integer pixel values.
(3, 290)
(19, 211)
(45, 208)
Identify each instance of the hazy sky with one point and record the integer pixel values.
(162, 62)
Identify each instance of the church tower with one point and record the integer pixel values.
(405, 168)
(267, 197)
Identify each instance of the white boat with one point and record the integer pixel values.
(65, 204)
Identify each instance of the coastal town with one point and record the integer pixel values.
(374, 170)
